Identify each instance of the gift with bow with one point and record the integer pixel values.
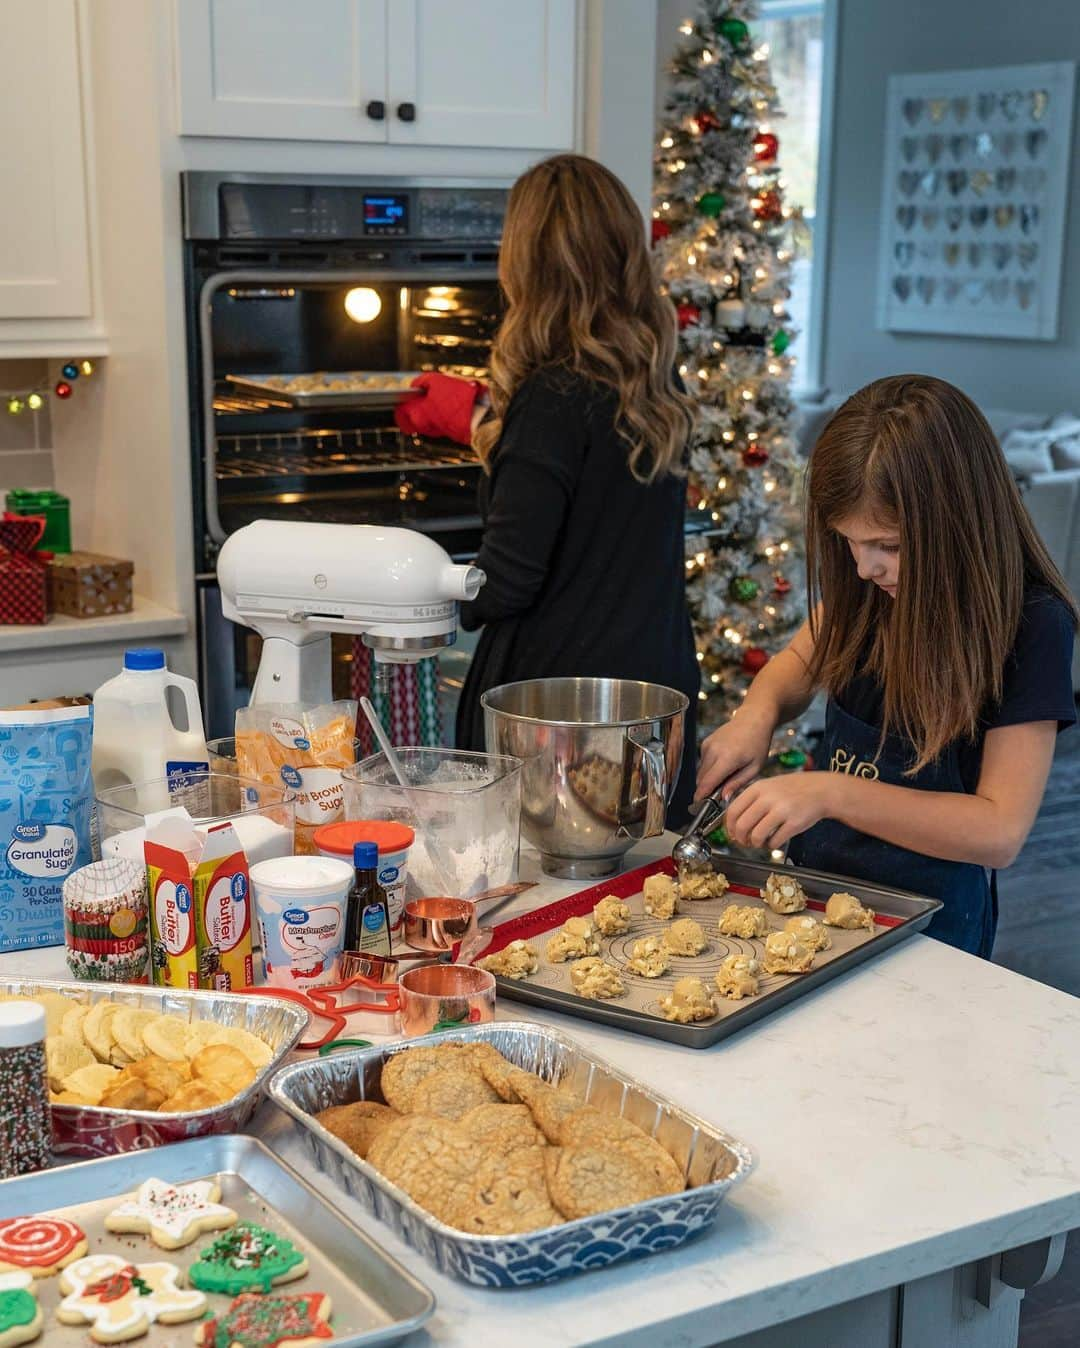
(23, 572)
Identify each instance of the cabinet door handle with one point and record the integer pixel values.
(376, 109)
(407, 112)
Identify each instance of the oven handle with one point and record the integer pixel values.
(215, 283)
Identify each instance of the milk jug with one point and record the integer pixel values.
(135, 739)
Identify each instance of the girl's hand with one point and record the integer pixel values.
(771, 811)
(733, 755)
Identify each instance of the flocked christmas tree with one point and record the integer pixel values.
(723, 235)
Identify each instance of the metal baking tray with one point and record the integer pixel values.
(330, 397)
(372, 1298)
(900, 915)
(91, 1130)
(713, 1161)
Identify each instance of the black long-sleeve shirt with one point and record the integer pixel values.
(585, 565)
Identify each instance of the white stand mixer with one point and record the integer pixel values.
(297, 583)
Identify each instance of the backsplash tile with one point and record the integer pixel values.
(25, 438)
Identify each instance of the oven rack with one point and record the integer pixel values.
(311, 452)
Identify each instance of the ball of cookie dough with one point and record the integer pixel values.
(575, 939)
(688, 1000)
(809, 931)
(738, 977)
(685, 937)
(742, 920)
(612, 916)
(649, 957)
(593, 978)
(786, 954)
(784, 894)
(694, 884)
(845, 910)
(517, 960)
(661, 896)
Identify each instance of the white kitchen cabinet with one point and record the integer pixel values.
(44, 228)
(403, 72)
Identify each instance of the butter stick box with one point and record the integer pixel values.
(222, 894)
(173, 958)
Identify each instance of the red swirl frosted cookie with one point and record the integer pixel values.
(39, 1246)
(254, 1321)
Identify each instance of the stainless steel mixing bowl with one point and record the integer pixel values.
(601, 758)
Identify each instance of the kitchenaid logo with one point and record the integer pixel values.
(42, 851)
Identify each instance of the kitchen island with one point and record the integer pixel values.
(917, 1128)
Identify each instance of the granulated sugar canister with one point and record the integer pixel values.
(106, 921)
(25, 1119)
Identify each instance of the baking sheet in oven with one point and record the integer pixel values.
(899, 914)
(373, 1300)
(323, 390)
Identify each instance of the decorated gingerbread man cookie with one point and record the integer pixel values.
(173, 1215)
(120, 1301)
(39, 1245)
(247, 1258)
(20, 1314)
(268, 1321)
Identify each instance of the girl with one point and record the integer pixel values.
(942, 633)
(583, 447)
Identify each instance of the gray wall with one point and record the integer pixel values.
(883, 37)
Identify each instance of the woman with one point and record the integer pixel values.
(944, 638)
(583, 446)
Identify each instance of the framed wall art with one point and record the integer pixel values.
(976, 170)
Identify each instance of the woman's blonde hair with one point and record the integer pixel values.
(581, 296)
(914, 453)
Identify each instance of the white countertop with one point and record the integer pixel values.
(919, 1112)
(146, 619)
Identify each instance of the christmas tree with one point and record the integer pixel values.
(724, 240)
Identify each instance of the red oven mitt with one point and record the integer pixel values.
(443, 410)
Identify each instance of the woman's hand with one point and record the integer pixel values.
(733, 755)
(442, 410)
(772, 810)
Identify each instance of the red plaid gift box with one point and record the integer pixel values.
(23, 572)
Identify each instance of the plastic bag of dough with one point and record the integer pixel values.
(286, 743)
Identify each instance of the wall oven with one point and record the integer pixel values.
(307, 302)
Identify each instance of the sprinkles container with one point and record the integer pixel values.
(106, 921)
(26, 1120)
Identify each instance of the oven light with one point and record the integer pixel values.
(362, 304)
(289, 497)
(440, 304)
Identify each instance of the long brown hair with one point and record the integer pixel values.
(581, 296)
(916, 454)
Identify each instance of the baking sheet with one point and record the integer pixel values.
(372, 1298)
(898, 915)
(329, 397)
(92, 1130)
(712, 1161)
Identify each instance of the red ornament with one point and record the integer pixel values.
(754, 658)
(694, 496)
(768, 206)
(754, 457)
(781, 585)
(688, 315)
(660, 230)
(703, 120)
(765, 146)
(63, 390)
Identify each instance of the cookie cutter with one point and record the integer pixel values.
(336, 1002)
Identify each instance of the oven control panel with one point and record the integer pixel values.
(336, 212)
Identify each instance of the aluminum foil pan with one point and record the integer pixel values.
(712, 1160)
(91, 1130)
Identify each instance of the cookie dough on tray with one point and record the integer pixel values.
(611, 916)
(809, 931)
(845, 911)
(661, 896)
(593, 978)
(786, 954)
(689, 1000)
(738, 977)
(517, 960)
(685, 937)
(784, 894)
(695, 884)
(575, 939)
(743, 921)
(649, 957)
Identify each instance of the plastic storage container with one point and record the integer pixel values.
(135, 738)
(300, 903)
(393, 841)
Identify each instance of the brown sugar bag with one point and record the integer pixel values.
(305, 748)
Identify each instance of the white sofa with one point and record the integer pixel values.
(1052, 497)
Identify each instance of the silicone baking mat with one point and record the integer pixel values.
(897, 915)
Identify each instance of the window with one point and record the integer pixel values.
(801, 41)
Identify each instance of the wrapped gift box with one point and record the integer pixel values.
(89, 585)
(24, 586)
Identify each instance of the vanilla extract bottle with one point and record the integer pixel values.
(367, 914)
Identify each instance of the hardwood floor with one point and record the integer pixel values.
(1038, 896)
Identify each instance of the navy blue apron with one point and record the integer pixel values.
(969, 917)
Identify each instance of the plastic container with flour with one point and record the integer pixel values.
(300, 903)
